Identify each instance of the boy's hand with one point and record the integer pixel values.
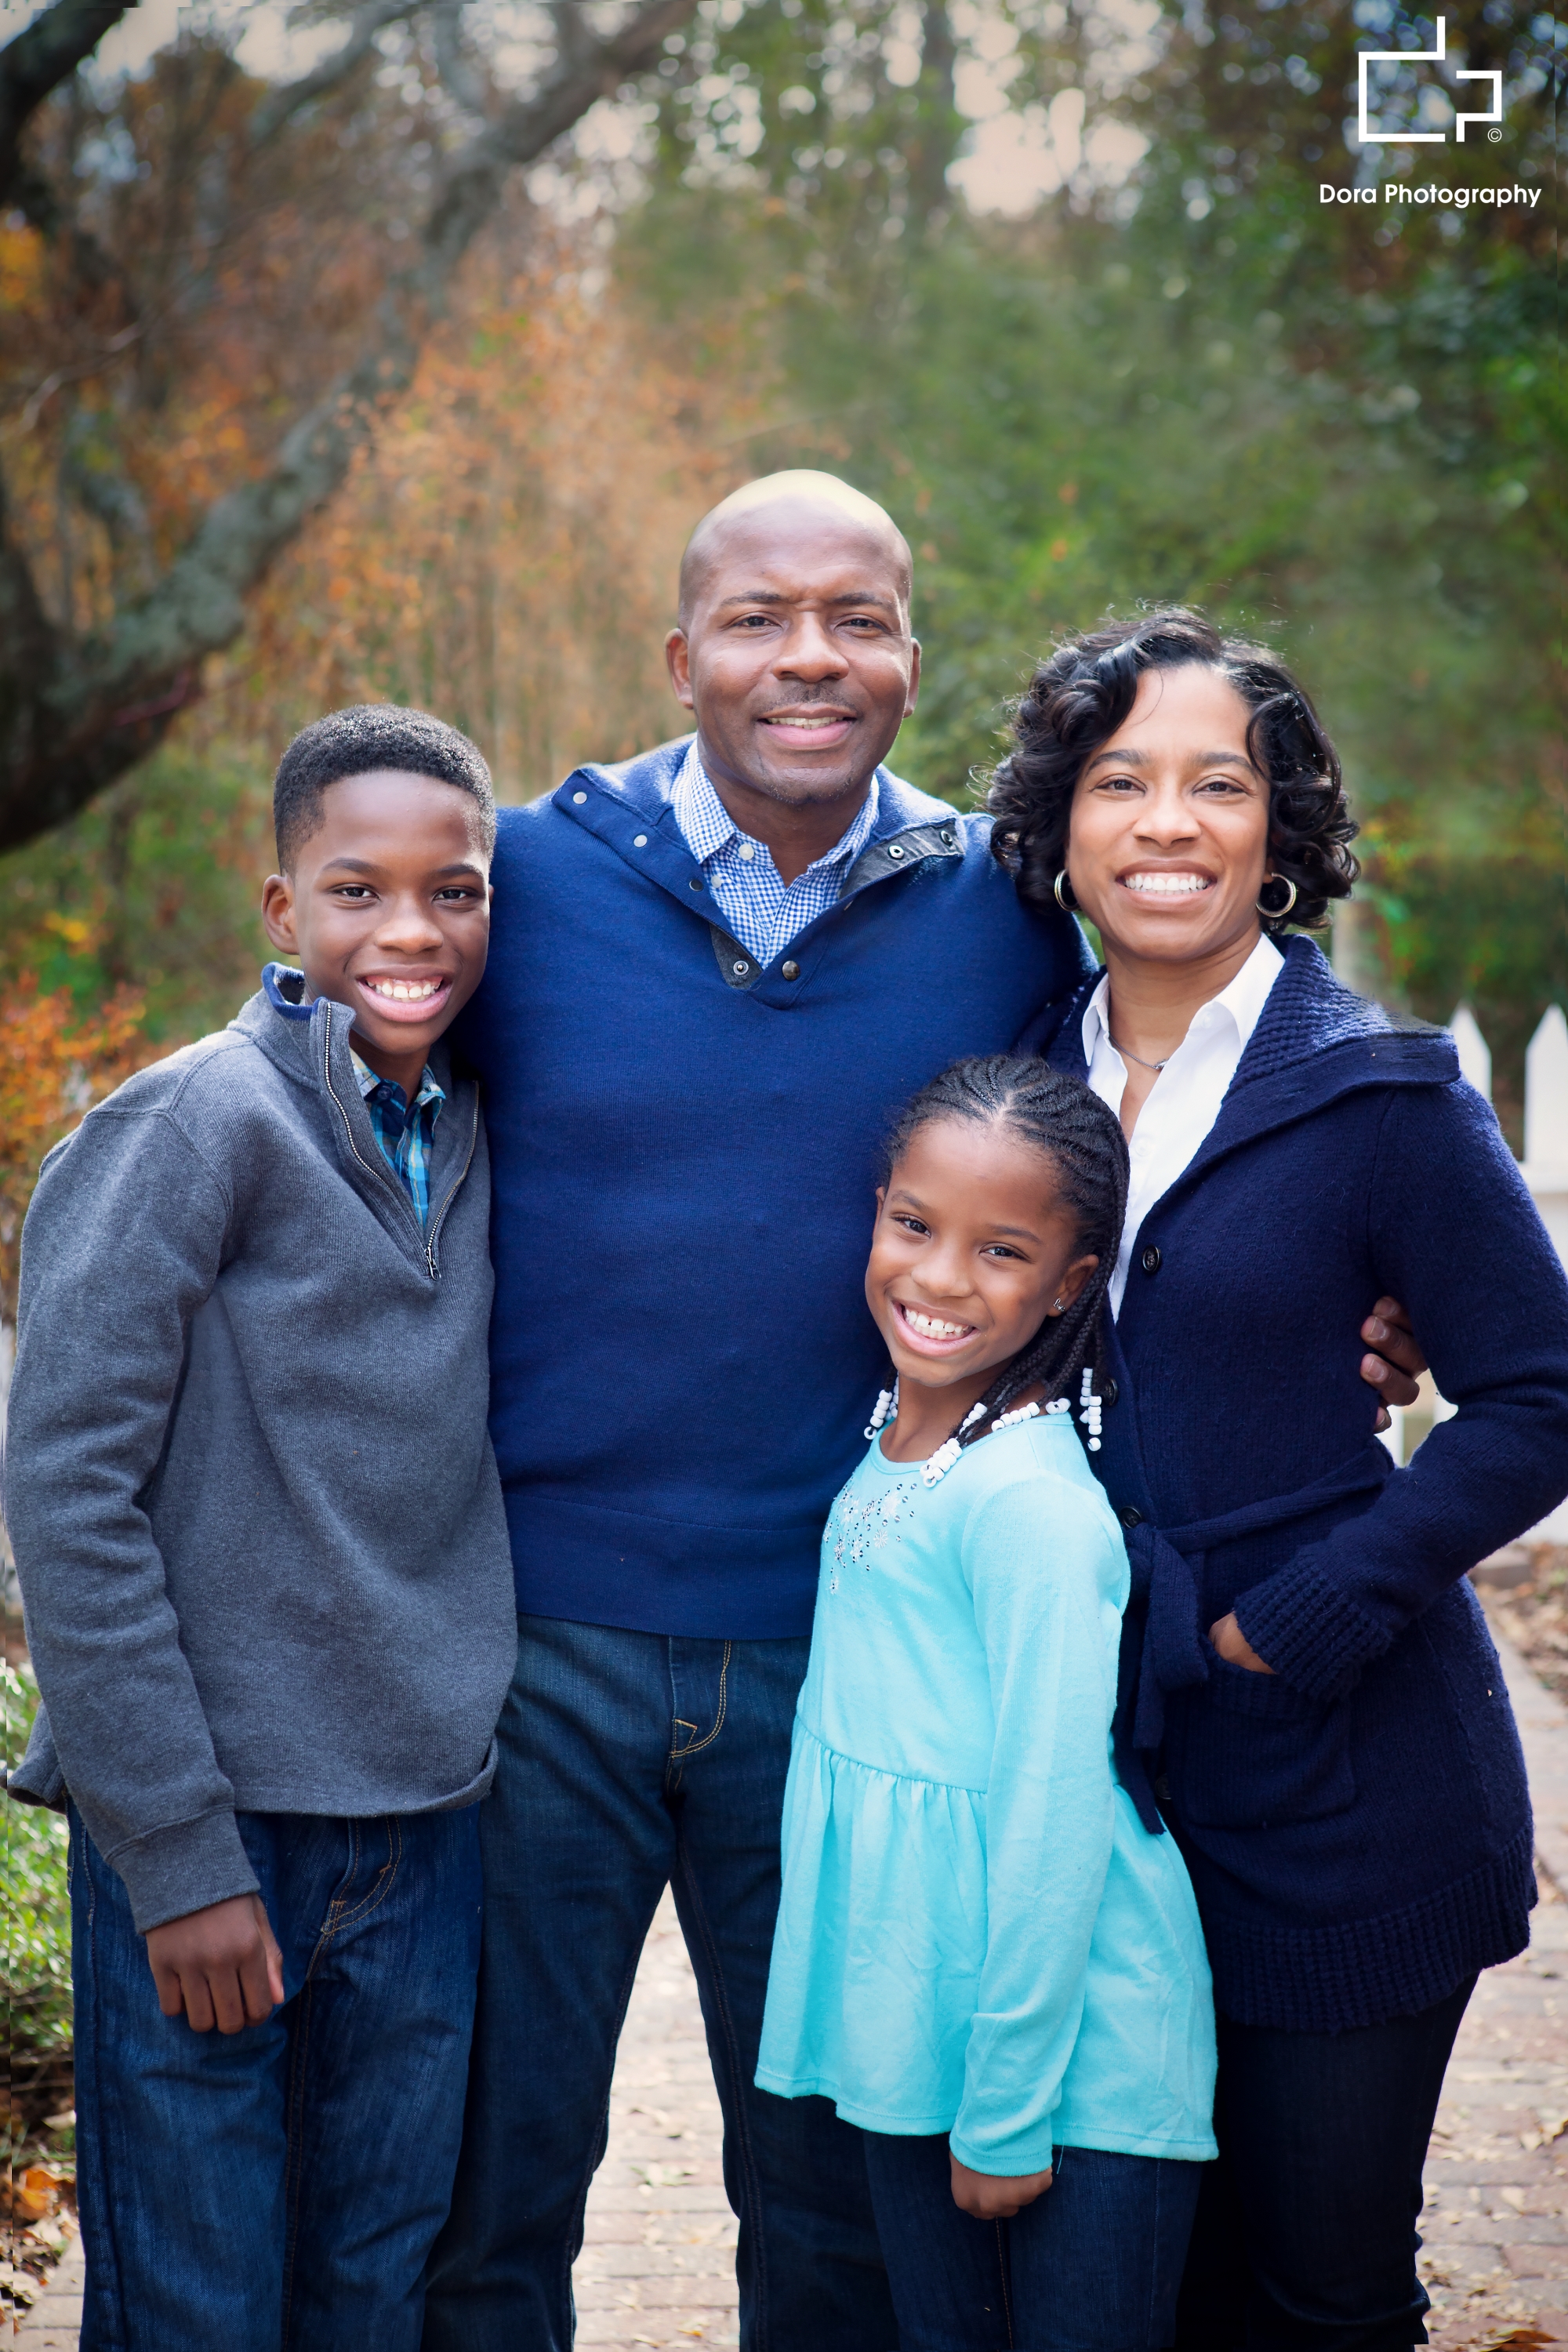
(993, 2198)
(221, 1965)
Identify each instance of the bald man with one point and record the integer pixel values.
(715, 974)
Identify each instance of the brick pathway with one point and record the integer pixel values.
(656, 2269)
(657, 2265)
(1496, 2221)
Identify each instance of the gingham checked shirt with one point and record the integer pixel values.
(761, 910)
(404, 1135)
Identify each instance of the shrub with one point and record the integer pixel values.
(34, 1933)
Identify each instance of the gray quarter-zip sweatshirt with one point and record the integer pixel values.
(249, 1481)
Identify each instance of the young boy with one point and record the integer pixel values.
(268, 1588)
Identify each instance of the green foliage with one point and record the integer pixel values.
(1181, 376)
(1339, 426)
(35, 1900)
(154, 885)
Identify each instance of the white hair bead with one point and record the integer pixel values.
(941, 1461)
(1019, 1412)
(886, 1403)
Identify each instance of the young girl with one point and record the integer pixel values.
(983, 1958)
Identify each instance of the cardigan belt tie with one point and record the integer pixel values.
(1169, 1649)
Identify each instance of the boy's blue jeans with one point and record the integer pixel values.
(279, 2187)
(629, 1761)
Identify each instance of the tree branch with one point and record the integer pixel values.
(937, 142)
(41, 57)
(283, 104)
(98, 705)
(461, 78)
(472, 181)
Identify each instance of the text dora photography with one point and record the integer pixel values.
(1410, 96)
(1399, 192)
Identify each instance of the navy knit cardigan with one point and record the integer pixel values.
(1357, 1824)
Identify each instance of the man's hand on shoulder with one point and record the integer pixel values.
(1397, 1362)
(221, 1965)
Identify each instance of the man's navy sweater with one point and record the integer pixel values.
(684, 1152)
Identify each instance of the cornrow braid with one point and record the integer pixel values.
(1069, 1126)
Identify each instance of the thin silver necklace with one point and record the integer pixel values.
(1137, 1057)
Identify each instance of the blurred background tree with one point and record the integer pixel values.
(220, 286)
(1052, 277)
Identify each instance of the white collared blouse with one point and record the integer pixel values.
(1184, 1100)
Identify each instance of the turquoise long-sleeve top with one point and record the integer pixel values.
(977, 1935)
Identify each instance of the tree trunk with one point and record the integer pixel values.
(78, 710)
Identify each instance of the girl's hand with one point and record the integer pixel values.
(1234, 1646)
(992, 2197)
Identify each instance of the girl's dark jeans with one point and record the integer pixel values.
(1305, 2233)
(1091, 2267)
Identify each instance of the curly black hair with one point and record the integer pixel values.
(1082, 694)
(356, 742)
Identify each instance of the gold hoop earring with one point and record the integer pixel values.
(1277, 914)
(1068, 905)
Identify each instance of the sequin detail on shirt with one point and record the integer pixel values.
(857, 1528)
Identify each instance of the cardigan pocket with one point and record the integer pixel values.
(1249, 1752)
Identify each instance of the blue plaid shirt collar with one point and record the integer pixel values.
(406, 1133)
(761, 910)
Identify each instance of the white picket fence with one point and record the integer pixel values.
(1545, 1170)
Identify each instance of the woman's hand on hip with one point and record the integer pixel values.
(1234, 1646)
(994, 2196)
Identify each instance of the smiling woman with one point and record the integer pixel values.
(1074, 719)
(1310, 1700)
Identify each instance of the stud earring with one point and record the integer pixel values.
(1056, 1307)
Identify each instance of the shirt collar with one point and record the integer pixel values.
(1242, 999)
(430, 1087)
(710, 828)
